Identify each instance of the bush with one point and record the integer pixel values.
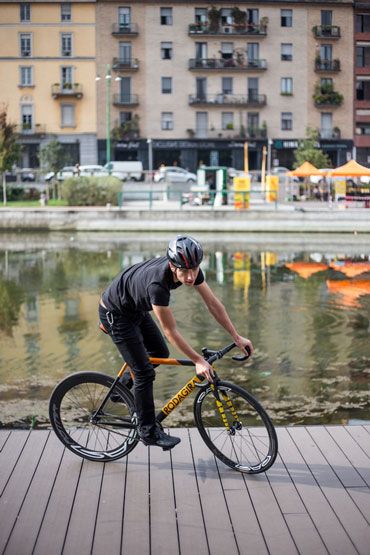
(91, 191)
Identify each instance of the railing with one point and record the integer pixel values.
(231, 133)
(119, 29)
(122, 64)
(125, 99)
(228, 99)
(29, 129)
(228, 64)
(67, 89)
(327, 65)
(233, 29)
(329, 133)
(326, 31)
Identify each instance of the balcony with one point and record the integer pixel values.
(31, 129)
(326, 32)
(327, 66)
(123, 30)
(229, 133)
(230, 64)
(330, 134)
(237, 100)
(125, 99)
(122, 64)
(67, 90)
(196, 29)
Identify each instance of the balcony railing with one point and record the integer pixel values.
(123, 64)
(233, 64)
(212, 133)
(327, 65)
(123, 29)
(31, 129)
(329, 133)
(125, 99)
(227, 99)
(326, 31)
(196, 29)
(67, 89)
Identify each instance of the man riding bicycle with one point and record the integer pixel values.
(124, 311)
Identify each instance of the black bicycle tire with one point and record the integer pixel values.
(273, 442)
(56, 399)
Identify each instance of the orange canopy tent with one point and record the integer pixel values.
(351, 269)
(306, 269)
(350, 290)
(305, 170)
(351, 169)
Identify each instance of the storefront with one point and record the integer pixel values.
(339, 151)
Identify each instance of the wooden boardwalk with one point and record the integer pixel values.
(314, 500)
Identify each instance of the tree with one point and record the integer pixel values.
(309, 150)
(52, 158)
(9, 148)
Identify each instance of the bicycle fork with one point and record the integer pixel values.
(236, 425)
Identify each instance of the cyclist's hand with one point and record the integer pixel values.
(202, 368)
(245, 345)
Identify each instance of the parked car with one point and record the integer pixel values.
(27, 174)
(65, 173)
(93, 169)
(49, 176)
(174, 174)
(281, 172)
(129, 169)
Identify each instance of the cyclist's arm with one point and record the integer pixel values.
(218, 311)
(169, 327)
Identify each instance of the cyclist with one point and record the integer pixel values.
(124, 312)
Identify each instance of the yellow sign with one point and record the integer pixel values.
(340, 188)
(272, 188)
(242, 187)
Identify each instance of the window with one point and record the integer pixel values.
(27, 116)
(253, 88)
(227, 50)
(166, 50)
(166, 16)
(253, 121)
(25, 76)
(66, 11)
(326, 52)
(25, 45)
(125, 52)
(363, 90)
(201, 124)
(67, 115)
(166, 85)
(363, 129)
(201, 88)
(363, 23)
(201, 15)
(227, 85)
(253, 52)
(286, 121)
(124, 117)
(362, 56)
(226, 16)
(253, 16)
(227, 120)
(286, 18)
(286, 86)
(326, 18)
(124, 17)
(66, 44)
(286, 51)
(201, 51)
(326, 128)
(66, 76)
(167, 121)
(25, 12)
(326, 83)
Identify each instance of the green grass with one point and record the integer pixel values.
(33, 203)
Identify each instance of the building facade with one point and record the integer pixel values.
(362, 82)
(194, 81)
(47, 76)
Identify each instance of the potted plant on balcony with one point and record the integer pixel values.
(214, 16)
(263, 23)
(336, 133)
(240, 18)
(325, 94)
(191, 133)
(229, 126)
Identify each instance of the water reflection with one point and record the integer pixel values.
(306, 311)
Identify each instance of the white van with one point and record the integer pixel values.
(125, 170)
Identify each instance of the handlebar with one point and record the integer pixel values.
(212, 356)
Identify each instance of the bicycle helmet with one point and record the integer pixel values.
(185, 252)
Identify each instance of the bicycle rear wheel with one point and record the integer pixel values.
(239, 432)
(106, 436)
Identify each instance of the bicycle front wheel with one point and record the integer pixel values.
(236, 428)
(97, 435)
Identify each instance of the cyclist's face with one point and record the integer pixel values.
(187, 277)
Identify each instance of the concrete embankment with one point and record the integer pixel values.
(283, 219)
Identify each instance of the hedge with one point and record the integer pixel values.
(90, 191)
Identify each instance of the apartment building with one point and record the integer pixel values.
(198, 80)
(47, 75)
(362, 82)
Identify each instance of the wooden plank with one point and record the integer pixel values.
(326, 522)
(17, 486)
(361, 436)
(10, 454)
(108, 529)
(188, 508)
(56, 517)
(361, 496)
(305, 535)
(4, 434)
(220, 534)
(352, 450)
(30, 517)
(342, 467)
(163, 526)
(342, 504)
(136, 532)
(80, 533)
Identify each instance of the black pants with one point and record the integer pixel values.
(137, 339)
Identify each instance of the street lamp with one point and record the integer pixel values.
(269, 145)
(150, 157)
(108, 79)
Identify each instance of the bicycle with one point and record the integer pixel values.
(94, 416)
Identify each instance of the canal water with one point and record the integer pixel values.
(304, 301)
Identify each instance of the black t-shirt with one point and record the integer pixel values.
(143, 285)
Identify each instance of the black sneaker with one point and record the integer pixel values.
(160, 439)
